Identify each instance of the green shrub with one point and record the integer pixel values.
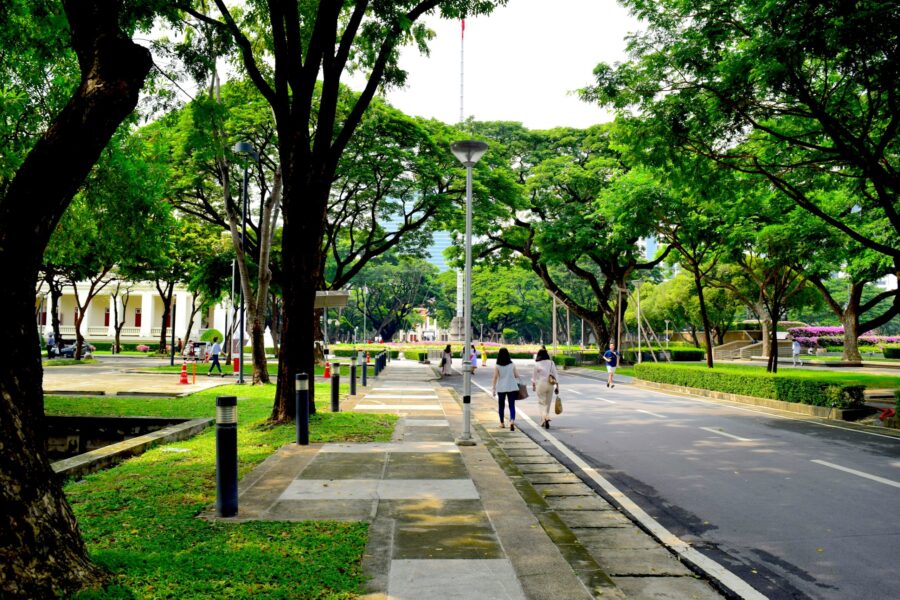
(564, 361)
(891, 350)
(783, 387)
(411, 355)
(209, 334)
(687, 354)
(897, 400)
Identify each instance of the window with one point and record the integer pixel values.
(137, 317)
(106, 318)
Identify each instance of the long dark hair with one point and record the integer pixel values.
(447, 349)
(542, 355)
(503, 358)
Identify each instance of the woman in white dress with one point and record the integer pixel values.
(505, 386)
(544, 379)
(446, 359)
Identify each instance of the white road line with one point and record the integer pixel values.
(576, 392)
(651, 413)
(858, 473)
(609, 401)
(732, 436)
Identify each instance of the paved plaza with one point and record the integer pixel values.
(499, 520)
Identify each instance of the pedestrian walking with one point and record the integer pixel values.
(795, 353)
(446, 361)
(473, 358)
(612, 361)
(214, 353)
(544, 378)
(505, 385)
(51, 342)
(483, 356)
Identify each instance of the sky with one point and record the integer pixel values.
(522, 63)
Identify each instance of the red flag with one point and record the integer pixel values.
(462, 33)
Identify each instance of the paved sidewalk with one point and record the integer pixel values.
(499, 520)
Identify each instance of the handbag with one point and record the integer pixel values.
(523, 391)
(558, 408)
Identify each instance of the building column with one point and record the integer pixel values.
(114, 305)
(182, 301)
(147, 315)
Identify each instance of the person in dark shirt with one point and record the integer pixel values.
(612, 361)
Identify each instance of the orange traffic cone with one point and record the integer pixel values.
(184, 375)
(327, 373)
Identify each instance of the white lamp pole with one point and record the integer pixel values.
(468, 152)
(640, 353)
(243, 148)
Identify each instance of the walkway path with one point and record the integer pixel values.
(499, 520)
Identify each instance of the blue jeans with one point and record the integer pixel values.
(502, 398)
(215, 363)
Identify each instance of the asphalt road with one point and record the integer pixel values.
(794, 508)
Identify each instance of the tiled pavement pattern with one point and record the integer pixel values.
(500, 520)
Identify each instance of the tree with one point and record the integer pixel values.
(301, 43)
(792, 91)
(40, 548)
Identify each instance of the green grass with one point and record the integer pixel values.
(140, 522)
(66, 362)
(126, 353)
(847, 377)
(203, 367)
(626, 371)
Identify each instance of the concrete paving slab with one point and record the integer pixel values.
(434, 511)
(614, 537)
(527, 468)
(515, 453)
(453, 580)
(413, 422)
(666, 588)
(552, 478)
(427, 434)
(572, 503)
(398, 407)
(371, 489)
(445, 541)
(57, 381)
(425, 465)
(641, 561)
(563, 489)
(404, 388)
(392, 447)
(400, 397)
(320, 510)
(336, 465)
(534, 459)
(594, 518)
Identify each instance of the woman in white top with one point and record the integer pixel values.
(543, 379)
(446, 359)
(505, 386)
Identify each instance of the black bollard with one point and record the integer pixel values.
(302, 394)
(335, 385)
(226, 456)
(352, 375)
(377, 364)
(365, 371)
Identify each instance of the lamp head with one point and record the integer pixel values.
(245, 148)
(468, 152)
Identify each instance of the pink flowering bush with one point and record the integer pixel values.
(143, 348)
(818, 337)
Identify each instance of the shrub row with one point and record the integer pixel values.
(675, 354)
(563, 360)
(892, 351)
(348, 352)
(784, 387)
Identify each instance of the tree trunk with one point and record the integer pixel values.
(772, 365)
(765, 325)
(165, 295)
(302, 263)
(41, 549)
(258, 348)
(704, 316)
(850, 321)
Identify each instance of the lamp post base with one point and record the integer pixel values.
(464, 442)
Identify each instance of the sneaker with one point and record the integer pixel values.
(612, 385)
(512, 426)
(222, 375)
(607, 384)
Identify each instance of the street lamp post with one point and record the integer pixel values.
(243, 148)
(640, 352)
(468, 152)
(667, 334)
(365, 310)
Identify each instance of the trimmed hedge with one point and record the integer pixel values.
(897, 400)
(687, 354)
(107, 346)
(564, 361)
(763, 385)
(892, 351)
(209, 334)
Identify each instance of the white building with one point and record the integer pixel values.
(142, 315)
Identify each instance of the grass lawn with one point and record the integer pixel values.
(847, 376)
(139, 518)
(203, 367)
(66, 362)
(626, 371)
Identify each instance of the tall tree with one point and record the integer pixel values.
(303, 42)
(791, 91)
(41, 552)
